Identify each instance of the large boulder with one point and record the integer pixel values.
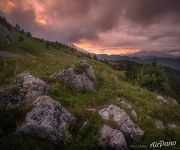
(124, 122)
(28, 88)
(111, 139)
(48, 119)
(33, 87)
(77, 77)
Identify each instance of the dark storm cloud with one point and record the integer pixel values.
(147, 12)
(85, 19)
(141, 24)
(25, 17)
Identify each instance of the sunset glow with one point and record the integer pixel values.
(41, 20)
(115, 27)
(92, 48)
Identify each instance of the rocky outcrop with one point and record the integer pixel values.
(48, 119)
(79, 76)
(111, 139)
(125, 124)
(33, 87)
(28, 88)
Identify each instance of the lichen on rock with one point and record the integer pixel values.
(123, 121)
(80, 77)
(48, 119)
(111, 139)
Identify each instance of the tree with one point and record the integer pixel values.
(22, 31)
(17, 27)
(28, 34)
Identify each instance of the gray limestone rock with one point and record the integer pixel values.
(111, 139)
(159, 124)
(133, 113)
(125, 124)
(161, 99)
(79, 80)
(172, 125)
(34, 87)
(48, 119)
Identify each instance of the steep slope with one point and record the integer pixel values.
(111, 88)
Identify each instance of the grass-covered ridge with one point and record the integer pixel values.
(41, 62)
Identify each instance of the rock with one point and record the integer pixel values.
(29, 88)
(159, 124)
(125, 124)
(88, 71)
(84, 125)
(111, 139)
(172, 125)
(174, 101)
(133, 113)
(126, 104)
(2, 90)
(12, 97)
(161, 99)
(48, 119)
(34, 87)
(91, 109)
(121, 99)
(78, 80)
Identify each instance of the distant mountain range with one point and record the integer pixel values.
(164, 61)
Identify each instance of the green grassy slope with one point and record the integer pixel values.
(41, 62)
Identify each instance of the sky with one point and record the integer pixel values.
(122, 27)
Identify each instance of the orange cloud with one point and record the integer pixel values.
(41, 20)
(97, 49)
(7, 6)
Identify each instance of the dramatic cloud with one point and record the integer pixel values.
(102, 26)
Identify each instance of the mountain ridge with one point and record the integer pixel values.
(165, 61)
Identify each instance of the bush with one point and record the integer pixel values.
(130, 76)
(153, 77)
(79, 69)
(20, 38)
